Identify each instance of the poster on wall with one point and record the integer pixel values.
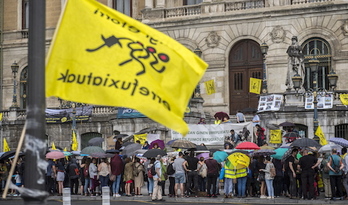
(325, 100)
(270, 103)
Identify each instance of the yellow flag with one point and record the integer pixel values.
(53, 146)
(5, 146)
(74, 144)
(210, 87)
(321, 136)
(103, 57)
(255, 85)
(1, 115)
(344, 99)
(142, 138)
(275, 137)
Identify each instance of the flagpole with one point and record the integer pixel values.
(36, 140)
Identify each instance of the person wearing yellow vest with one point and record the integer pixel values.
(230, 180)
(241, 175)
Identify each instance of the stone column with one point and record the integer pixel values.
(148, 4)
(160, 3)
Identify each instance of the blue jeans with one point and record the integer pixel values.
(228, 186)
(270, 189)
(85, 188)
(104, 180)
(150, 185)
(116, 184)
(241, 182)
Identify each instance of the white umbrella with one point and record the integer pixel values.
(329, 147)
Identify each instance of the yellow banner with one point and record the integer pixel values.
(275, 136)
(344, 99)
(53, 146)
(5, 147)
(321, 136)
(210, 87)
(103, 57)
(255, 85)
(74, 144)
(142, 138)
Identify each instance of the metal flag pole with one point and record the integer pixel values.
(35, 141)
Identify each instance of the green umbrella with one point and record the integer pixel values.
(92, 149)
(279, 153)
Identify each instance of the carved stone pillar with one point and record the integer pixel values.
(148, 4)
(160, 3)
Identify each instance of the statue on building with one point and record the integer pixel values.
(296, 62)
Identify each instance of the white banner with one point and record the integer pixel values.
(211, 134)
(270, 102)
(325, 101)
(152, 137)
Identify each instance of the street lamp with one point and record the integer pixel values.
(14, 68)
(197, 93)
(264, 50)
(313, 64)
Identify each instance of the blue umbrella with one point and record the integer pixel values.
(279, 153)
(170, 142)
(339, 141)
(220, 156)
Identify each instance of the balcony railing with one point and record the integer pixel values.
(214, 8)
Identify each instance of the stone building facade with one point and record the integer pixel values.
(228, 34)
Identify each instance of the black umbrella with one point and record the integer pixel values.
(151, 153)
(112, 151)
(127, 143)
(7, 155)
(198, 148)
(292, 136)
(287, 124)
(95, 141)
(120, 136)
(305, 142)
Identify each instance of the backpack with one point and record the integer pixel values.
(272, 171)
(170, 169)
(86, 171)
(136, 170)
(325, 169)
(153, 170)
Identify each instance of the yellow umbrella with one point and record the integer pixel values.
(267, 147)
(239, 160)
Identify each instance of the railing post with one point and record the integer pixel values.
(106, 195)
(66, 196)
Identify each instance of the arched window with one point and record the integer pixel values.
(23, 88)
(317, 48)
(25, 14)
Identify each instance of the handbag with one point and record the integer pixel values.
(112, 177)
(261, 177)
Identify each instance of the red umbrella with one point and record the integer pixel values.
(221, 115)
(55, 155)
(247, 145)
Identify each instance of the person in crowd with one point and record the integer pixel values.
(3, 174)
(82, 176)
(50, 177)
(202, 174)
(213, 171)
(260, 165)
(150, 183)
(240, 117)
(268, 177)
(117, 166)
(307, 164)
(345, 170)
(60, 175)
(230, 180)
(325, 175)
(235, 138)
(157, 178)
(335, 165)
(225, 120)
(192, 174)
(146, 145)
(93, 174)
(138, 177)
(128, 176)
(171, 180)
(278, 182)
(180, 177)
(260, 133)
(119, 143)
(228, 146)
(104, 171)
(202, 121)
(164, 177)
(155, 146)
(290, 169)
(217, 120)
(74, 174)
(86, 188)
